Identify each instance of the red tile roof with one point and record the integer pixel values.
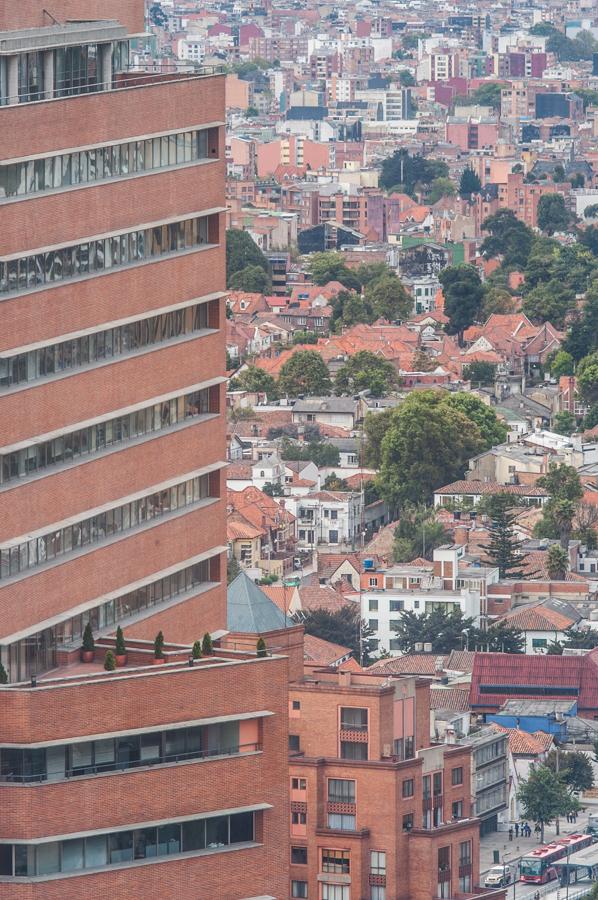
(537, 618)
(455, 699)
(521, 743)
(322, 652)
(410, 664)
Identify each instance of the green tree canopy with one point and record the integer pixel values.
(582, 338)
(406, 78)
(345, 627)
(417, 534)
(388, 299)
(496, 300)
(544, 797)
(366, 371)
(256, 380)
(330, 266)
(463, 292)
(251, 278)
(488, 94)
(333, 482)
(564, 487)
(550, 302)
(480, 373)
(470, 183)
(305, 373)
(443, 629)
(587, 377)
(318, 452)
(492, 430)
(441, 187)
(507, 237)
(427, 444)
(574, 767)
(552, 213)
(564, 423)
(560, 363)
(241, 252)
(591, 211)
(410, 171)
(504, 548)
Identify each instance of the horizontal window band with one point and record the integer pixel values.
(63, 151)
(115, 504)
(113, 414)
(107, 326)
(113, 595)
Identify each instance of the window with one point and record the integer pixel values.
(294, 743)
(408, 787)
(336, 862)
(80, 167)
(354, 719)
(296, 704)
(378, 892)
(42, 269)
(377, 862)
(101, 850)
(457, 776)
(437, 782)
(299, 856)
(341, 790)
(298, 888)
(373, 624)
(539, 643)
(465, 867)
(333, 537)
(335, 891)
(374, 601)
(96, 438)
(408, 822)
(457, 809)
(97, 528)
(397, 606)
(298, 818)
(341, 821)
(299, 784)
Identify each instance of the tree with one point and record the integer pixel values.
(260, 648)
(500, 638)
(445, 631)
(319, 453)
(255, 380)
(550, 302)
(587, 377)
(410, 171)
(565, 490)
(330, 266)
(507, 237)
(427, 444)
(253, 279)
(157, 16)
(388, 299)
(480, 373)
(344, 626)
(333, 482)
(470, 183)
(375, 426)
(574, 767)
(583, 335)
(120, 648)
(463, 292)
(273, 490)
(552, 213)
(441, 187)
(305, 373)
(207, 646)
(591, 211)
(560, 363)
(417, 534)
(232, 569)
(580, 638)
(406, 78)
(544, 797)
(109, 661)
(349, 308)
(242, 251)
(496, 300)
(159, 646)
(586, 521)
(564, 423)
(488, 94)
(492, 430)
(366, 371)
(557, 563)
(504, 549)
(423, 361)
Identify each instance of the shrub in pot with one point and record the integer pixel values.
(88, 645)
(206, 645)
(159, 649)
(261, 647)
(196, 650)
(3, 675)
(109, 661)
(120, 648)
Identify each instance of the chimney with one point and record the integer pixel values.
(461, 535)
(344, 679)
(449, 735)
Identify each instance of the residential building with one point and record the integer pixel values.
(328, 517)
(338, 411)
(376, 811)
(471, 492)
(488, 777)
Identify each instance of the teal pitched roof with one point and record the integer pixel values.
(250, 611)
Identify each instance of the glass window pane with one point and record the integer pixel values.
(217, 832)
(96, 851)
(72, 855)
(48, 858)
(121, 846)
(169, 839)
(194, 835)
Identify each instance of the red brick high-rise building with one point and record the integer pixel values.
(112, 509)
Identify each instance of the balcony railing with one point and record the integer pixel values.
(124, 765)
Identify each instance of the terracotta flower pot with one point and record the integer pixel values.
(158, 660)
(121, 660)
(87, 656)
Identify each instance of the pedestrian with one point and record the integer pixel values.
(516, 829)
(511, 833)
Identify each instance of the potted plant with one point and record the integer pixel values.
(120, 648)
(196, 650)
(261, 647)
(159, 649)
(109, 661)
(88, 646)
(207, 647)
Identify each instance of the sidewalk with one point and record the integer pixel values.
(518, 847)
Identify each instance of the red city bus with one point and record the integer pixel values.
(537, 867)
